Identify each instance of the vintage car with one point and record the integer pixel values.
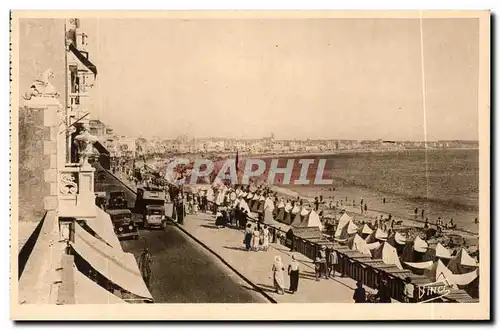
(117, 200)
(123, 224)
(100, 199)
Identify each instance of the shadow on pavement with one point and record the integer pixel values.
(236, 248)
(210, 226)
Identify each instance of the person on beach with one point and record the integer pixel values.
(265, 238)
(278, 280)
(255, 239)
(247, 240)
(362, 201)
(426, 223)
(416, 212)
(366, 207)
(476, 221)
(383, 201)
(359, 295)
(361, 207)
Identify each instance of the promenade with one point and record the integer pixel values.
(227, 244)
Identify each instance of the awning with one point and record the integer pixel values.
(103, 227)
(89, 292)
(83, 59)
(118, 267)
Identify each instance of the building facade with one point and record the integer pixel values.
(61, 264)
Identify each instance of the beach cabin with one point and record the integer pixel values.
(296, 237)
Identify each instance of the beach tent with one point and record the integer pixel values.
(287, 215)
(438, 271)
(377, 235)
(462, 263)
(419, 245)
(387, 253)
(299, 217)
(418, 267)
(365, 230)
(380, 235)
(341, 231)
(357, 243)
(343, 221)
(442, 252)
(398, 241)
(351, 228)
(414, 251)
(312, 220)
(280, 212)
(261, 204)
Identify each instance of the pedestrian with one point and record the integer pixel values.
(323, 266)
(408, 291)
(293, 272)
(255, 239)
(180, 210)
(145, 261)
(278, 281)
(334, 260)
(416, 212)
(317, 268)
(383, 294)
(247, 240)
(265, 238)
(423, 211)
(366, 207)
(383, 200)
(359, 295)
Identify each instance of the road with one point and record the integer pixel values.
(183, 271)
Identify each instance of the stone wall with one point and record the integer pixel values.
(41, 46)
(32, 163)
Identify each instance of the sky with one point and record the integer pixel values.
(297, 78)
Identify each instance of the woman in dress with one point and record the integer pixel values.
(255, 239)
(279, 283)
(265, 238)
(293, 272)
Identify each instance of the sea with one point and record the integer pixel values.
(449, 176)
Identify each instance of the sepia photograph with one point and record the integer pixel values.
(250, 165)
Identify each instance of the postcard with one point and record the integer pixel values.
(250, 165)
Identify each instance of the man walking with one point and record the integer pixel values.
(145, 262)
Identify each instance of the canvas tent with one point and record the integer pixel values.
(388, 254)
(414, 251)
(365, 230)
(312, 220)
(442, 252)
(357, 243)
(438, 271)
(462, 263)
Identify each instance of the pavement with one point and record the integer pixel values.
(183, 271)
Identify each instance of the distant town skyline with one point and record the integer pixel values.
(329, 79)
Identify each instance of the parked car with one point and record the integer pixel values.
(117, 200)
(123, 224)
